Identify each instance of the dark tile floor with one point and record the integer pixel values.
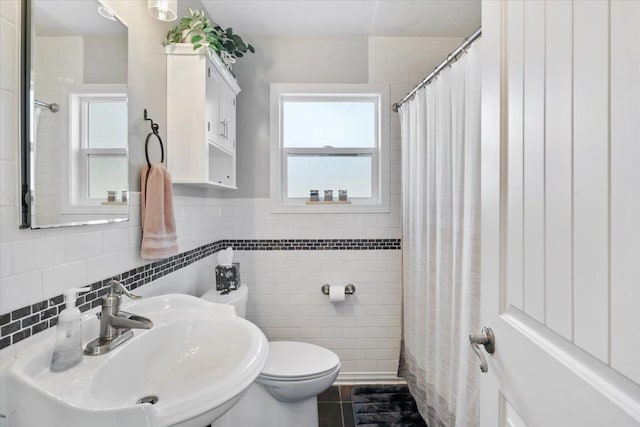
(334, 407)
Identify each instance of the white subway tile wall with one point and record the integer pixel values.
(68, 257)
(56, 59)
(286, 301)
(285, 298)
(252, 219)
(31, 319)
(19, 288)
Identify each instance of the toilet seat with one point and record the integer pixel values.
(296, 371)
(299, 378)
(298, 361)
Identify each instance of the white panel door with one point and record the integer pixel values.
(561, 213)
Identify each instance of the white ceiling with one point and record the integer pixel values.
(72, 18)
(399, 18)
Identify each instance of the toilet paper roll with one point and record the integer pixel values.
(336, 293)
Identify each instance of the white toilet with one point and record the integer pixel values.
(285, 393)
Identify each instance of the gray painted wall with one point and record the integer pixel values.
(105, 59)
(284, 60)
(277, 60)
(147, 78)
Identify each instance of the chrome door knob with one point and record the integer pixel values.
(488, 340)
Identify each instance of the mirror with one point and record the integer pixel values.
(75, 129)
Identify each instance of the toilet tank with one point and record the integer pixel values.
(237, 298)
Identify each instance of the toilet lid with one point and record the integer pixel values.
(289, 360)
(233, 297)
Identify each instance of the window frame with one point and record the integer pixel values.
(379, 200)
(75, 185)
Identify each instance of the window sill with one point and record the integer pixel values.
(334, 202)
(105, 208)
(321, 207)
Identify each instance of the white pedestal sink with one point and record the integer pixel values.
(194, 364)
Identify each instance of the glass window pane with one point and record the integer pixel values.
(107, 125)
(323, 172)
(107, 173)
(335, 124)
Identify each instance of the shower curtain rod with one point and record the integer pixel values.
(53, 107)
(452, 57)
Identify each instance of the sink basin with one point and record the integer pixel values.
(188, 370)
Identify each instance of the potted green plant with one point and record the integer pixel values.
(199, 31)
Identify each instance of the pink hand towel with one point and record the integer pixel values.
(159, 239)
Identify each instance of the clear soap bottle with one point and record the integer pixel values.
(67, 351)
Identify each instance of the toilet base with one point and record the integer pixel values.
(257, 408)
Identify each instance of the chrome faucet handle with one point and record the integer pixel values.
(117, 289)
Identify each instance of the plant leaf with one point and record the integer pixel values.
(203, 33)
(239, 43)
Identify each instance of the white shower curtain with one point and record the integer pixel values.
(441, 242)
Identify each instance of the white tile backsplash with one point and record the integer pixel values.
(100, 267)
(19, 290)
(285, 300)
(6, 259)
(83, 245)
(8, 112)
(7, 178)
(115, 240)
(9, 49)
(252, 219)
(9, 10)
(35, 254)
(63, 276)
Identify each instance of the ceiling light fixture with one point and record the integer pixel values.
(107, 13)
(163, 10)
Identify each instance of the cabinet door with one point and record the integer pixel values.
(214, 126)
(227, 117)
(231, 137)
(231, 126)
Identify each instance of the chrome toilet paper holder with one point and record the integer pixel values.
(349, 289)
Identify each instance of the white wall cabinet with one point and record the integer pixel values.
(201, 119)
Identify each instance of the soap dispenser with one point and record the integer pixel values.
(67, 351)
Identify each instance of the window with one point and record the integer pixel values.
(329, 137)
(98, 141)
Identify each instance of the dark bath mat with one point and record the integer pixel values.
(385, 406)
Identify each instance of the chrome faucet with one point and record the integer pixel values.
(115, 325)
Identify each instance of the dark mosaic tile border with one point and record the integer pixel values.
(31, 319)
(314, 244)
